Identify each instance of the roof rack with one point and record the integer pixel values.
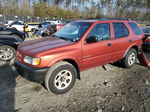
(109, 18)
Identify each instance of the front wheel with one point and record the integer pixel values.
(130, 58)
(6, 53)
(60, 78)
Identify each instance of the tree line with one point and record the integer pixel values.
(134, 9)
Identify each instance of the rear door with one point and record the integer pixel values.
(121, 39)
(98, 53)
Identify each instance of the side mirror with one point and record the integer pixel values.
(91, 39)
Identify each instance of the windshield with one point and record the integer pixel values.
(73, 31)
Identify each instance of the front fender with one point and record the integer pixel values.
(63, 58)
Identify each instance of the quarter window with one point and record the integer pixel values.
(120, 30)
(135, 29)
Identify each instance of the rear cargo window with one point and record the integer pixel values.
(135, 28)
(120, 30)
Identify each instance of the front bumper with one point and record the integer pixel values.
(30, 73)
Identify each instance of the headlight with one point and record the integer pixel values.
(31, 60)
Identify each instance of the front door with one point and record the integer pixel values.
(100, 52)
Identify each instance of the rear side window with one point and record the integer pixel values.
(135, 29)
(120, 30)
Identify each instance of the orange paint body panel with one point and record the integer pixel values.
(52, 50)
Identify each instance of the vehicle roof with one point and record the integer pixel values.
(97, 21)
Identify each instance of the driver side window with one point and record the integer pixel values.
(101, 31)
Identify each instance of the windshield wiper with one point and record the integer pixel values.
(54, 36)
(64, 38)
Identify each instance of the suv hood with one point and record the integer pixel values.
(34, 47)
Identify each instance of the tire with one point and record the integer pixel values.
(130, 58)
(6, 53)
(44, 34)
(58, 84)
(33, 30)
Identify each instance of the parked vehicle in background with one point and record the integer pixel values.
(30, 28)
(80, 45)
(8, 46)
(35, 24)
(19, 25)
(146, 30)
(7, 22)
(59, 24)
(11, 32)
(45, 24)
(146, 43)
(46, 30)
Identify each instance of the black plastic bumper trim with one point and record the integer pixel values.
(30, 73)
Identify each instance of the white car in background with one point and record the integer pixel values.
(57, 22)
(7, 23)
(19, 25)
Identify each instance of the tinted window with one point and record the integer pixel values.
(101, 31)
(120, 30)
(135, 28)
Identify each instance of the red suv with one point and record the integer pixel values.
(58, 60)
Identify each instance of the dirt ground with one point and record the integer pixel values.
(115, 89)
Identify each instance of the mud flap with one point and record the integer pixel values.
(143, 59)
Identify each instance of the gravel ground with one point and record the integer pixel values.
(115, 89)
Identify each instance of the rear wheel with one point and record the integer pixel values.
(130, 58)
(60, 78)
(6, 53)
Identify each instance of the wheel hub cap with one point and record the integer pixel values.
(63, 79)
(6, 54)
(131, 59)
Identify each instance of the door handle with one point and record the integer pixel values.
(109, 44)
(130, 40)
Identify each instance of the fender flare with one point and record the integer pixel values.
(131, 46)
